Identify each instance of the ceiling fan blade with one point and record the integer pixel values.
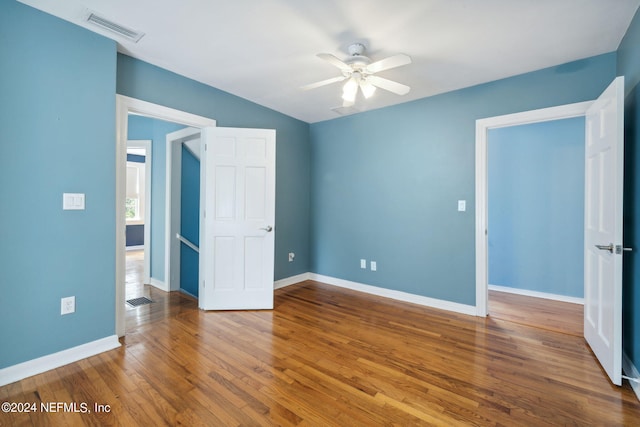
(335, 61)
(323, 83)
(388, 63)
(391, 86)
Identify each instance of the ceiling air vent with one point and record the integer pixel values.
(343, 111)
(111, 26)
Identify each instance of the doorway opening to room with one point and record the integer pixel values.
(139, 120)
(523, 189)
(138, 220)
(154, 257)
(602, 218)
(535, 232)
(233, 267)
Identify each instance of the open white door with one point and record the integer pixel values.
(603, 228)
(237, 220)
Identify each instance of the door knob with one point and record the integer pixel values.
(268, 228)
(618, 248)
(608, 247)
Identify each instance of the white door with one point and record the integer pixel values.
(603, 229)
(237, 223)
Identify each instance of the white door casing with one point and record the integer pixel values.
(604, 160)
(237, 232)
(125, 106)
(481, 207)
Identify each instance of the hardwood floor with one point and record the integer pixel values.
(557, 316)
(164, 303)
(326, 356)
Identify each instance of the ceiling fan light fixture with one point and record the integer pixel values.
(367, 89)
(349, 90)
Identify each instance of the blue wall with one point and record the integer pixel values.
(536, 198)
(143, 81)
(155, 130)
(385, 183)
(189, 221)
(629, 66)
(57, 114)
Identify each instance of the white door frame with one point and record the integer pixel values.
(482, 128)
(146, 145)
(125, 106)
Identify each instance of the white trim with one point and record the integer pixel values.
(148, 164)
(631, 371)
(396, 295)
(159, 284)
(125, 106)
(42, 364)
(136, 248)
(482, 128)
(288, 281)
(545, 295)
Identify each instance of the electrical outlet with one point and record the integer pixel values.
(291, 256)
(67, 305)
(363, 264)
(374, 266)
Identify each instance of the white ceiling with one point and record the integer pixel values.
(264, 50)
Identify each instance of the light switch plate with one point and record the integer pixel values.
(73, 201)
(462, 205)
(374, 266)
(67, 305)
(363, 263)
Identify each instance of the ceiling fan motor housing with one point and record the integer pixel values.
(357, 60)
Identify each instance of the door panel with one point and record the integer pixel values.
(603, 228)
(238, 258)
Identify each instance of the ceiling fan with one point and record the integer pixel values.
(359, 72)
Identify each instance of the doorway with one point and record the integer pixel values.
(124, 107)
(138, 207)
(483, 127)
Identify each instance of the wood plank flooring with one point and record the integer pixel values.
(558, 316)
(327, 356)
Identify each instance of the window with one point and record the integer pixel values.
(134, 205)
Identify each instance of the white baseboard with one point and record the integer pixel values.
(631, 371)
(159, 284)
(288, 281)
(46, 363)
(135, 248)
(397, 295)
(555, 297)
